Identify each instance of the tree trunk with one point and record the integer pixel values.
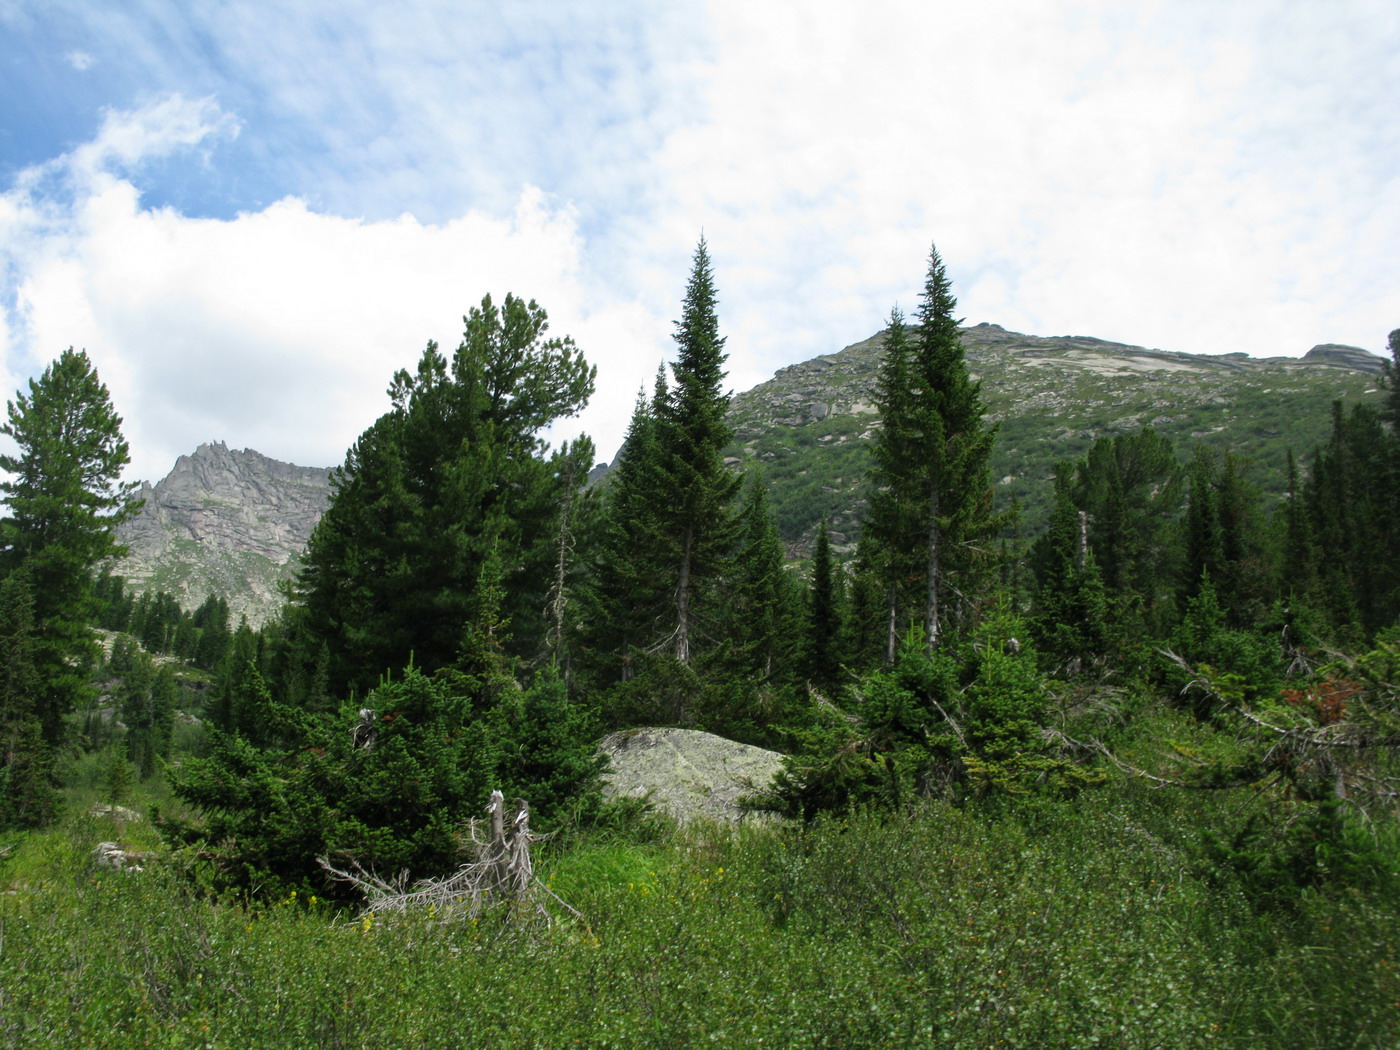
(891, 634)
(683, 599)
(934, 539)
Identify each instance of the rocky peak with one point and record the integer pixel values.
(1339, 355)
(225, 521)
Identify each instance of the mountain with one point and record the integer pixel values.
(809, 426)
(224, 521)
(235, 522)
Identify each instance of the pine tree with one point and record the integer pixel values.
(456, 465)
(64, 501)
(698, 525)
(931, 457)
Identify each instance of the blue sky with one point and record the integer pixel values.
(251, 214)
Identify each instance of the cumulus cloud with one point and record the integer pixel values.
(278, 329)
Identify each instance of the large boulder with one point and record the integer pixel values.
(686, 773)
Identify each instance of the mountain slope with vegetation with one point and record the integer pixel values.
(810, 425)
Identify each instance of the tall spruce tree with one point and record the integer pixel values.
(931, 458)
(64, 501)
(697, 521)
(760, 601)
(629, 597)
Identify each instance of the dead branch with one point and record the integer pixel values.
(503, 873)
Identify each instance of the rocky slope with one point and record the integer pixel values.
(224, 521)
(1052, 396)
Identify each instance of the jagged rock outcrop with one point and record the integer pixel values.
(224, 521)
(687, 773)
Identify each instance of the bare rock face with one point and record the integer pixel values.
(686, 773)
(225, 521)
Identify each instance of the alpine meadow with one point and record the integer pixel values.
(1089, 724)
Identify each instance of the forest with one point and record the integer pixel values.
(1130, 781)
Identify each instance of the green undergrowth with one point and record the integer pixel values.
(1049, 926)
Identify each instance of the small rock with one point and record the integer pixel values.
(116, 813)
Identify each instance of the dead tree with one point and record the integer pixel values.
(502, 874)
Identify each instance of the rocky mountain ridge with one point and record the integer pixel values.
(225, 521)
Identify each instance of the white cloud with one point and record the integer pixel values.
(279, 329)
(79, 60)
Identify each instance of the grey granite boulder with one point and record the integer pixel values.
(687, 773)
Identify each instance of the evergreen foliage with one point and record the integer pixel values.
(456, 467)
(822, 659)
(64, 499)
(696, 520)
(761, 602)
(932, 506)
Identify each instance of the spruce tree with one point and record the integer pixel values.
(64, 500)
(895, 524)
(759, 606)
(629, 595)
(697, 522)
(27, 797)
(931, 458)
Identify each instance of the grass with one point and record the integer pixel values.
(1053, 926)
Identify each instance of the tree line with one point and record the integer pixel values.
(471, 612)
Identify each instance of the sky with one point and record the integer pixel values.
(251, 214)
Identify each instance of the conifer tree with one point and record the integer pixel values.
(760, 593)
(456, 465)
(896, 517)
(629, 596)
(64, 501)
(931, 456)
(27, 798)
(1129, 485)
(1072, 619)
(696, 518)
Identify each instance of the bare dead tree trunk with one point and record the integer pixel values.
(1081, 557)
(558, 597)
(891, 634)
(502, 874)
(934, 540)
(683, 599)
(497, 849)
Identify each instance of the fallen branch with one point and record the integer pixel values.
(502, 874)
